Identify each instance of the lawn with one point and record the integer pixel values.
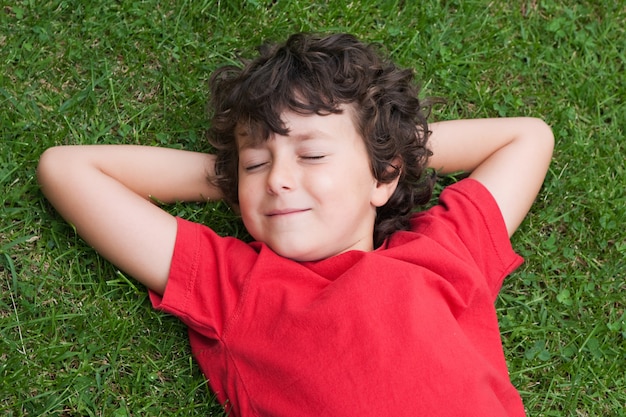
(78, 337)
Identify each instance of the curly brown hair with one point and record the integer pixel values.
(313, 74)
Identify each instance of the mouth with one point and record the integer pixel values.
(285, 212)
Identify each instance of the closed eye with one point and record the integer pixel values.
(312, 157)
(254, 167)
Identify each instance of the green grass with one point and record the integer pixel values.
(79, 338)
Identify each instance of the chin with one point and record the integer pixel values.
(302, 255)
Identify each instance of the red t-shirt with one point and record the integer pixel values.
(409, 329)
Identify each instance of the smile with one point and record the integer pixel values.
(285, 212)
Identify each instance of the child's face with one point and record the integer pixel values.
(310, 195)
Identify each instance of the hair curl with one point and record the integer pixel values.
(312, 74)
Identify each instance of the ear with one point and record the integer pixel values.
(384, 190)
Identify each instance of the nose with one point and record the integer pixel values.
(281, 177)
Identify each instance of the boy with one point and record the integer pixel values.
(347, 303)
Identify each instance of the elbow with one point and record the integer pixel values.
(539, 141)
(543, 136)
(52, 164)
(45, 167)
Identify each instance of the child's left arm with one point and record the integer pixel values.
(509, 156)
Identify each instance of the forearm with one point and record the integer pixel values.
(167, 175)
(509, 156)
(463, 145)
(106, 191)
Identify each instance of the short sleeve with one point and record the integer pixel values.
(205, 282)
(468, 222)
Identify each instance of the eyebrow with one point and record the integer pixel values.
(246, 141)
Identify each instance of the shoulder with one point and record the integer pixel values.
(197, 245)
(207, 277)
(465, 206)
(465, 229)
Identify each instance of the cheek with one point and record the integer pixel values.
(248, 217)
(321, 182)
(342, 188)
(246, 198)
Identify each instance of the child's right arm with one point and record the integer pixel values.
(105, 192)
